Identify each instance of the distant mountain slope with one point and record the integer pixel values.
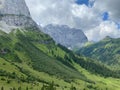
(23, 53)
(17, 45)
(107, 51)
(66, 36)
(43, 55)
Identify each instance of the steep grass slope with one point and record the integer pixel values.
(29, 58)
(107, 51)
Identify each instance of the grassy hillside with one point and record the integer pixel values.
(107, 51)
(30, 58)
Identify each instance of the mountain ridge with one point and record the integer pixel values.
(17, 15)
(106, 50)
(18, 7)
(66, 36)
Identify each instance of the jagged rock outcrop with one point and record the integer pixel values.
(14, 7)
(15, 13)
(66, 36)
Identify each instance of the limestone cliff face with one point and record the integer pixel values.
(16, 7)
(66, 36)
(15, 13)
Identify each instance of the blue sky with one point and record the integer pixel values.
(86, 2)
(89, 3)
(105, 16)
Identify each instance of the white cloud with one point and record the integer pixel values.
(63, 12)
(88, 19)
(106, 28)
(51, 11)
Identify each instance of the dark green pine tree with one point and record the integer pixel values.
(51, 86)
(43, 87)
(27, 88)
(73, 88)
(2, 88)
(14, 88)
(19, 88)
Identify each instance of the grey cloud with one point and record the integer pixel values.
(111, 6)
(67, 12)
(50, 11)
(61, 12)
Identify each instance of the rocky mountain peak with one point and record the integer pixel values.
(14, 7)
(15, 13)
(66, 36)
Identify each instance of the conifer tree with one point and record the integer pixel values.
(73, 88)
(2, 88)
(14, 88)
(19, 88)
(43, 87)
(27, 88)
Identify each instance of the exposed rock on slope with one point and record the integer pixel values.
(16, 7)
(69, 37)
(15, 13)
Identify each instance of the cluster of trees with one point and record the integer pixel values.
(7, 74)
(97, 68)
(53, 87)
(90, 65)
(49, 87)
(44, 63)
(107, 51)
(14, 88)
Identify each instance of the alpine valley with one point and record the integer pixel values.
(31, 59)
